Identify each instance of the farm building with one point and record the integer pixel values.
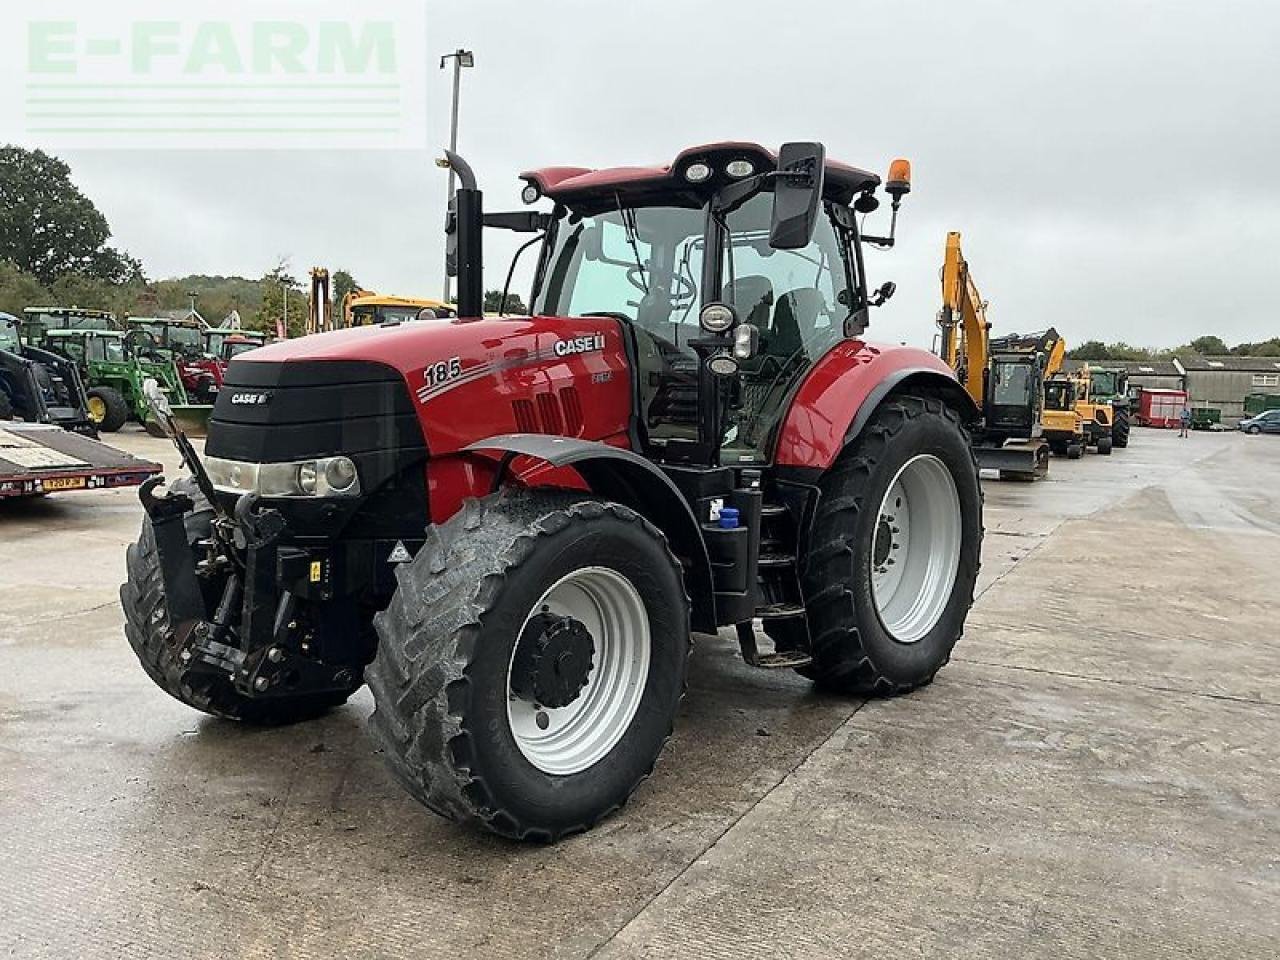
(1224, 382)
(1153, 374)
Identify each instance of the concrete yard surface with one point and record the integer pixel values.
(1095, 774)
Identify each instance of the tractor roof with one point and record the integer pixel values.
(585, 190)
(69, 311)
(67, 334)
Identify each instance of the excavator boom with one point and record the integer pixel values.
(1006, 384)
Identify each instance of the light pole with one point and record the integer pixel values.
(461, 58)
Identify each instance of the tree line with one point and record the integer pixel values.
(1206, 346)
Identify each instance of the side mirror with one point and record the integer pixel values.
(886, 291)
(797, 194)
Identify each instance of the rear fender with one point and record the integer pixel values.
(843, 391)
(627, 478)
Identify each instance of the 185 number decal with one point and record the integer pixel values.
(443, 372)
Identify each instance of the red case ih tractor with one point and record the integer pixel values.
(510, 527)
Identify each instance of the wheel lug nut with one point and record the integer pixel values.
(261, 684)
(275, 654)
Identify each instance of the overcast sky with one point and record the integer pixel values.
(1113, 165)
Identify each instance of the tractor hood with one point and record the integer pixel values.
(431, 355)
(449, 382)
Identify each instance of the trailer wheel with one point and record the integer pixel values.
(147, 629)
(530, 663)
(1121, 428)
(108, 410)
(895, 550)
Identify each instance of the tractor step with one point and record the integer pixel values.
(780, 660)
(776, 560)
(780, 611)
(786, 660)
(772, 510)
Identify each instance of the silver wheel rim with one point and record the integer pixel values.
(570, 739)
(915, 552)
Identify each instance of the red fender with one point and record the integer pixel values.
(843, 389)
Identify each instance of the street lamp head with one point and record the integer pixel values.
(465, 58)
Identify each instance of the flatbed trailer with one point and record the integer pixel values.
(38, 458)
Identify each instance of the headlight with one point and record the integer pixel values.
(723, 365)
(739, 169)
(340, 474)
(697, 172)
(717, 317)
(322, 477)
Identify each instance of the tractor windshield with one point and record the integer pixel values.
(107, 349)
(1104, 383)
(188, 340)
(642, 265)
(8, 334)
(645, 265)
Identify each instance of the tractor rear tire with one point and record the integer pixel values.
(1104, 446)
(855, 650)
(455, 708)
(153, 641)
(1121, 428)
(114, 409)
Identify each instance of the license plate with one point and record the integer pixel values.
(65, 483)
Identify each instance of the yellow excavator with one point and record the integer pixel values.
(1008, 385)
(364, 308)
(1062, 424)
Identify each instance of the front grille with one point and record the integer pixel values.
(269, 412)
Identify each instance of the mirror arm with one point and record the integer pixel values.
(888, 241)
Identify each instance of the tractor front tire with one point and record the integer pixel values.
(1104, 446)
(531, 662)
(912, 461)
(108, 409)
(1075, 450)
(150, 635)
(1121, 428)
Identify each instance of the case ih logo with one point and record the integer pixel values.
(567, 348)
(251, 399)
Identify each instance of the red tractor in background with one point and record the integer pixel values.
(510, 527)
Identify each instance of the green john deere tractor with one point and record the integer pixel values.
(114, 365)
(1109, 385)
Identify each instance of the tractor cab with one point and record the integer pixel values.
(734, 272)
(39, 385)
(233, 346)
(215, 339)
(36, 321)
